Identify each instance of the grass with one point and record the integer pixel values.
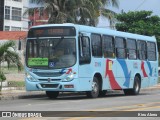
(16, 84)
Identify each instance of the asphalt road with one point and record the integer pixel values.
(115, 103)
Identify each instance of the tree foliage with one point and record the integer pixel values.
(2, 78)
(9, 55)
(140, 22)
(75, 11)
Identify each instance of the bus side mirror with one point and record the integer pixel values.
(19, 45)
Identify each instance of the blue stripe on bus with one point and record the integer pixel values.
(126, 72)
(150, 68)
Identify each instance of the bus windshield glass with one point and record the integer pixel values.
(51, 53)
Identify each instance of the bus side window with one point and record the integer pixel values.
(84, 50)
(96, 45)
(151, 51)
(142, 50)
(131, 48)
(108, 46)
(120, 47)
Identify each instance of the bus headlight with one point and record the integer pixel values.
(69, 77)
(28, 76)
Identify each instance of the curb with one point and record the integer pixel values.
(42, 94)
(21, 96)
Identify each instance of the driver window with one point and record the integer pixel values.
(84, 48)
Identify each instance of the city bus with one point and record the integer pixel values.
(78, 58)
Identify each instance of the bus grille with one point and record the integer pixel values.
(50, 80)
(49, 85)
(51, 74)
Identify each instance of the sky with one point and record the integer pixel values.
(133, 5)
(136, 5)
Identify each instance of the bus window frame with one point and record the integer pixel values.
(127, 39)
(116, 48)
(145, 51)
(152, 51)
(95, 56)
(113, 43)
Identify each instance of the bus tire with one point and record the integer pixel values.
(52, 94)
(95, 89)
(136, 87)
(102, 93)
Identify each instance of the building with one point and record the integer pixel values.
(13, 24)
(11, 15)
(38, 18)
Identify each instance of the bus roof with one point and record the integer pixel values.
(90, 29)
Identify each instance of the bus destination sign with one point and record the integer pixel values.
(51, 32)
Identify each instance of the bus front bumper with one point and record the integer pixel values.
(52, 86)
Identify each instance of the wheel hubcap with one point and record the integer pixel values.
(136, 87)
(94, 87)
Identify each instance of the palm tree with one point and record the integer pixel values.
(81, 11)
(76, 11)
(2, 78)
(62, 11)
(107, 12)
(8, 54)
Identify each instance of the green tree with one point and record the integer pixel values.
(140, 22)
(2, 78)
(107, 12)
(75, 11)
(9, 55)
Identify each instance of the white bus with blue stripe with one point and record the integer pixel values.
(77, 58)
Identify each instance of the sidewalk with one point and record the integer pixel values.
(21, 93)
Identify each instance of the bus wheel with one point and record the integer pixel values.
(52, 94)
(136, 87)
(102, 93)
(95, 89)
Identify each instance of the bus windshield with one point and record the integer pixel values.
(51, 53)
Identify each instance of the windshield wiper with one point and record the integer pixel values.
(61, 39)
